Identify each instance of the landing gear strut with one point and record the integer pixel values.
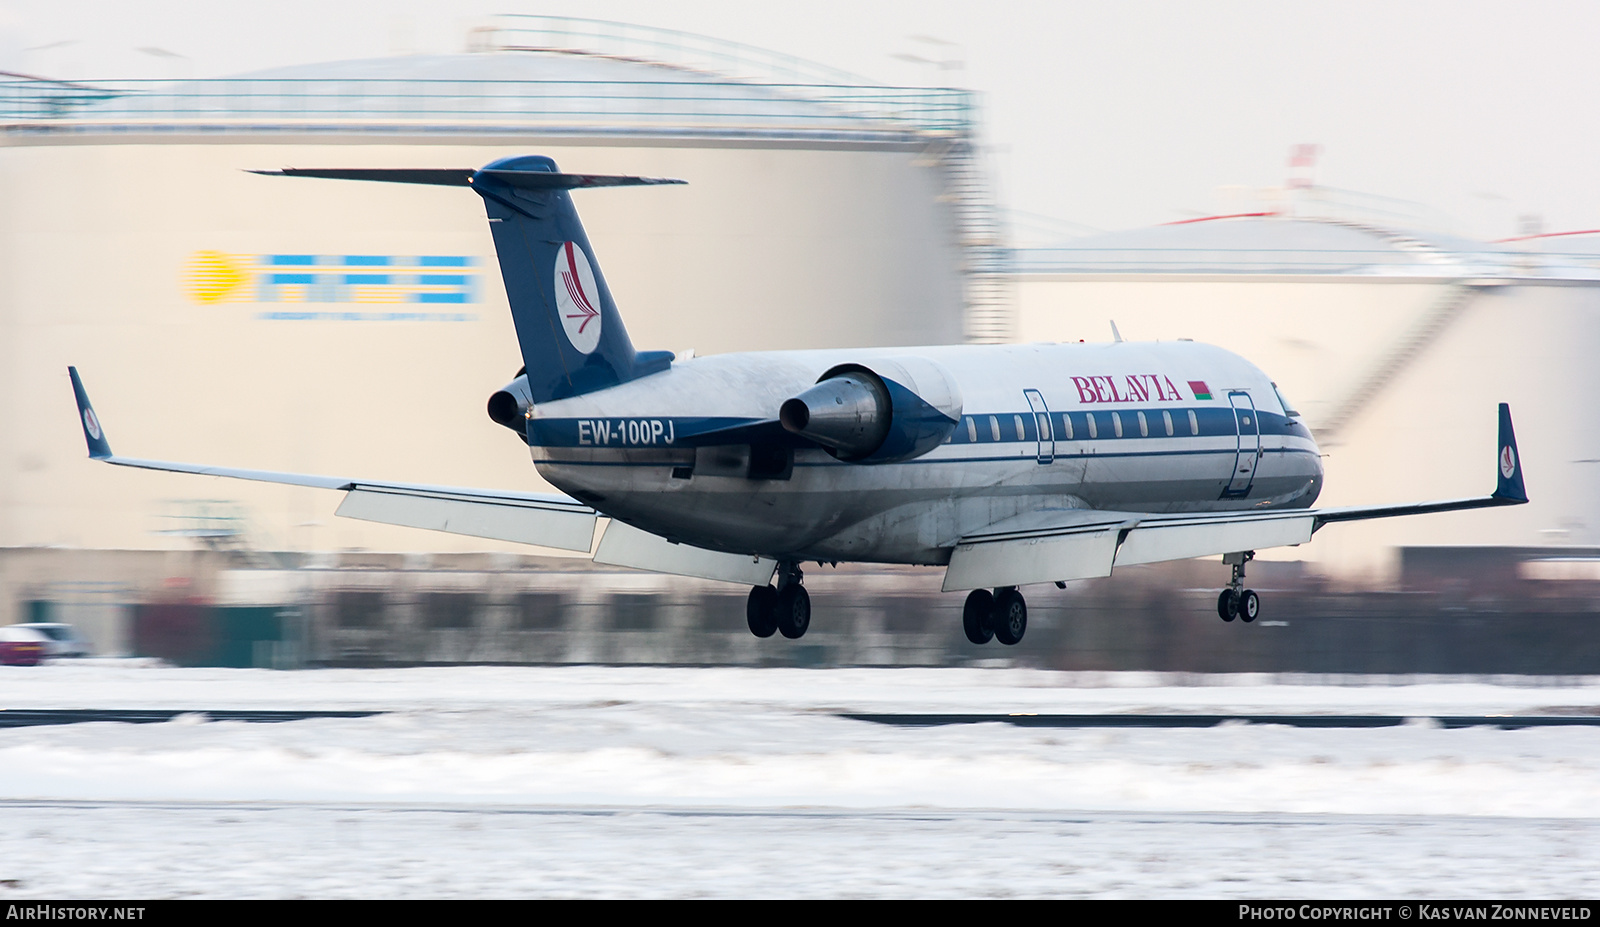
(1236, 601)
(786, 609)
(1001, 614)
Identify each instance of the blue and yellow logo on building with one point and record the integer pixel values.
(327, 280)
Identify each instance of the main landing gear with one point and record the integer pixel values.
(999, 614)
(786, 609)
(1236, 601)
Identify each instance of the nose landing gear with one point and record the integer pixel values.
(786, 609)
(1001, 614)
(1237, 601)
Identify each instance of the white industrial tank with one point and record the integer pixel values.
(358, 328)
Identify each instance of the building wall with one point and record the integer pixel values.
(1430, 432)
(769, 247)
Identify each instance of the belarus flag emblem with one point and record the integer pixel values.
(1200, 389)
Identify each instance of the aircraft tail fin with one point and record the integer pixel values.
(1508, 484)
(572, 337)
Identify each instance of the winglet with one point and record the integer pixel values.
(1509, 483)
(93, 434)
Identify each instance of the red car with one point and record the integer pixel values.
(22, 646)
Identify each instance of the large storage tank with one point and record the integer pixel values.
(358, 328)
(1395, 345)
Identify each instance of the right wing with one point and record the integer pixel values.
(542, 519)
(1054, 545)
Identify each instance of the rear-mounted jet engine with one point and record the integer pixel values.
(877, 412)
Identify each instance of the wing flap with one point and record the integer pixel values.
(1159, 540)
(1026, 557)
(517, 520)
(626, 546)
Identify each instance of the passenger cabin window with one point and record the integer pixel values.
(1093, 431)
(1144, 426)
(1116, 423)
(994, 428)
(1166, 419)
(1066, 425)
(1194, 423)
(972, 430)
(1021, 432)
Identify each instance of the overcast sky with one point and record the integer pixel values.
(1111, 115)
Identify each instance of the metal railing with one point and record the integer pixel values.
(670, 47)
(1377, 261)
(446, 104)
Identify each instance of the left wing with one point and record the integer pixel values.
(543, 519)
(1061, 544)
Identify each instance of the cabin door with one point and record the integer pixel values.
(1041, 425)
(1248, 425)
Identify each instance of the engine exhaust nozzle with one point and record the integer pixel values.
(847, 414)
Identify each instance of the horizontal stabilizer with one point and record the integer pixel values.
(443, 177)
(463, 177)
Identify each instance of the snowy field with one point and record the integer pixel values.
(681, 782)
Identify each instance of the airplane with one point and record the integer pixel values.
(1007, 465)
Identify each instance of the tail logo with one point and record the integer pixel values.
(91, 424)
(577, 298)
(1508, 461)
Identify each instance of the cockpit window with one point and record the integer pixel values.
(1287, 409)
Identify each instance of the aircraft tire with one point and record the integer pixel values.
(1010, 616)
(793, 611)
(1227, 605)
(976, 616)
(1249, 606)
(760, 611)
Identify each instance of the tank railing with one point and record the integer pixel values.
(1279, 260)
(667, 47)
(657, 104)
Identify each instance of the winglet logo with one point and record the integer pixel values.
(577, 298)
(91, 424)
(1508, 461)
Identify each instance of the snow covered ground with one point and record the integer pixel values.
(652, 782)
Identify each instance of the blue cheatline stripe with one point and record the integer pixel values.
(432, 260)
(291, 260)
(438, 297)
(442, 279)
(1214, 423)
(922, 461)
(368, 279)
(279, 279)
(366, 260)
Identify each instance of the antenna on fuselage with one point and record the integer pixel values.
(1115, 335)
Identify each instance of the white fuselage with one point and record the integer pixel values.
(1139, 427)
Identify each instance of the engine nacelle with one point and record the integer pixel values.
(510, 404)
(877, 411)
